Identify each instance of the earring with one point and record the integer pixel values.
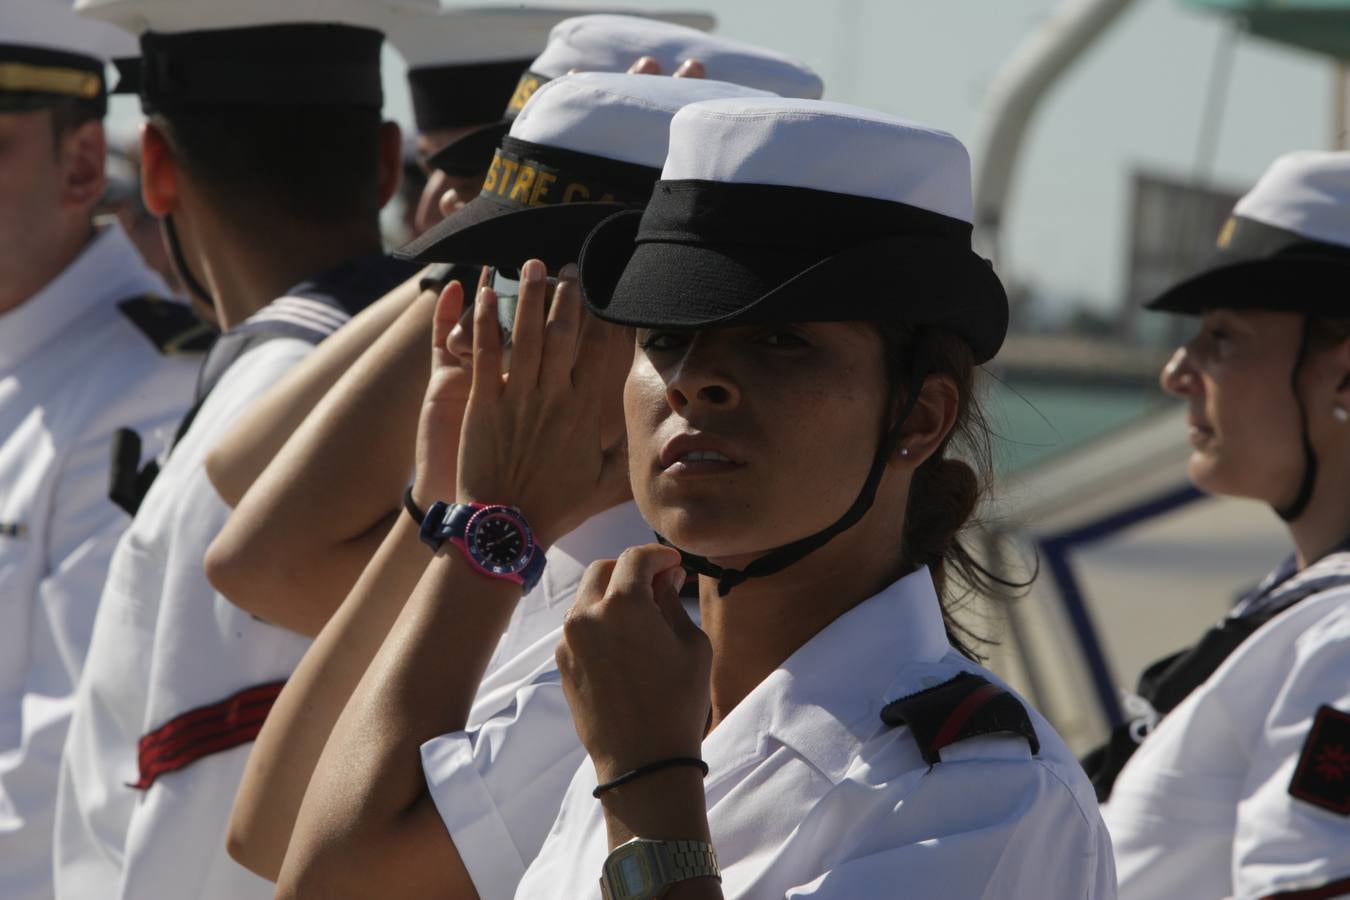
(1340, 414)
(904, 451)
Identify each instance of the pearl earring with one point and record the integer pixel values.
(904, 451)
(1340, 414)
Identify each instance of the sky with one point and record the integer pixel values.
(1134, 102)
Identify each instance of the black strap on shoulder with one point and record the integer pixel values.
(128, 480)
(1164, 684)
(964, 707)
(170, 326)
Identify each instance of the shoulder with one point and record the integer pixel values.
(953, 724)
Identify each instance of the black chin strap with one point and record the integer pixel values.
(180, 263)
(780, 558)
(1305, 489)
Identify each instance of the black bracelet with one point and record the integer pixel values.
(649, 768)
(411, 506)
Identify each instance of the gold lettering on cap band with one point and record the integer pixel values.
(525, 88)
(524, 182)
(1226, 234)
(15, 76)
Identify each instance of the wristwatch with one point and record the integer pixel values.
(644, 870)
(496, 539)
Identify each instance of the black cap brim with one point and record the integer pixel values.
(1296, 283)
(925, 281)
(487, 232)
(471, 154)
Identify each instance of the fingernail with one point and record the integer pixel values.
(680, 577)
(568, 272)
(533, 271)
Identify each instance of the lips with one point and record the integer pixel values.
(695, 453)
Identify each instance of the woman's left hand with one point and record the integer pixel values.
(635, 668)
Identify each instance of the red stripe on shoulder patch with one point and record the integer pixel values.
(963, 707)
(1323, 774)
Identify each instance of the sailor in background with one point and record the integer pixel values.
(266, 157)
(88, 343)
(1243, 788)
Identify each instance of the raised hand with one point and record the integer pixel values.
(547, 435)
(442, 416)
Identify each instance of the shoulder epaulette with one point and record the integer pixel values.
(964, 707)
(172, 327)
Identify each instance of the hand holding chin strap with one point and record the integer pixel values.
(780, 558)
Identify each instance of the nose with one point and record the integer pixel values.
(700, 383)
(1178, 375)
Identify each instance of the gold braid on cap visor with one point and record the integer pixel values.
(16, 76)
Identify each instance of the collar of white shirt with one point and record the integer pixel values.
(826, 699)
(107, 269)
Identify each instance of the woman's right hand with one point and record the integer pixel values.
(534, 437)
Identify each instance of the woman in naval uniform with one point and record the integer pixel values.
(809, 314)
(1241, 787)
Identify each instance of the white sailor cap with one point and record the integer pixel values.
(464, 63)
(1285, 247)
(584, 147)
(49, 54)
(781, 210)
(210, 54)
(612, 43)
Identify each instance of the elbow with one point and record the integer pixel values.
(243, 849)
(234, 564)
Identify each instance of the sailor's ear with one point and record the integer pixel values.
(159, 172)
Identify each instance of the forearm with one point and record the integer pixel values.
(298, 726)
(421, 684)
(306, 530)
(237, 461)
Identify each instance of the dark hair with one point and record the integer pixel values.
(69, 114)
(306, 165)
(1325, 332)
(946, 490)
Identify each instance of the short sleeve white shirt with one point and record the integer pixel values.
(1203, 808)
(166, 642)
(497, 785)
(810, 795)
(73, 369)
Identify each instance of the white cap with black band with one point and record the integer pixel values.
(612, 43)
(1285, 248)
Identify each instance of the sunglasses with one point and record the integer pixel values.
(506, 284)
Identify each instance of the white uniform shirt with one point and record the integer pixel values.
(498, 784)
(1203, 809)
(811, 795)
(73, 369)
(166, 642)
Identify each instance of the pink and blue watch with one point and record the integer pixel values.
(495, 539)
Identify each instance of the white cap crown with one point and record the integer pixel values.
(52, 25)
(1307, 192)
(613, 115)
(823, 146)
(611, 43)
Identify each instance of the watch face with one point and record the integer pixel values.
(497, 542)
